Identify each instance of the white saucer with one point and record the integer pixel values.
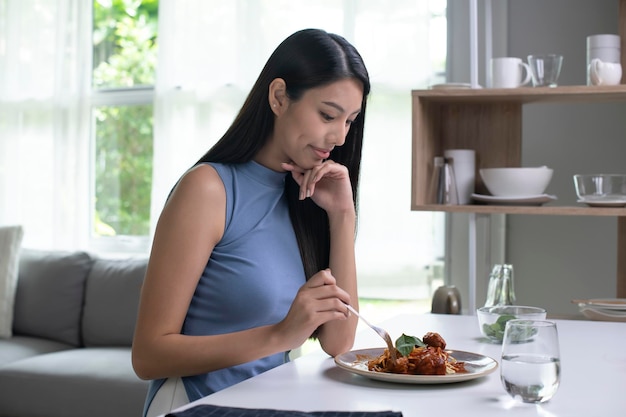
(450, 86)
(532, 200)
(603, 203)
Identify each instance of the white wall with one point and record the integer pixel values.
(556, 258)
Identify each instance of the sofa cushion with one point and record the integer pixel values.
(21, 347)
(80, 382)
(111, 301)
(10, 244)
(49, 297)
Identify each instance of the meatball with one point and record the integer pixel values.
(434, 340)
(428, 361)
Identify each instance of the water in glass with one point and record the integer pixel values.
(530, 369)
(534, 379)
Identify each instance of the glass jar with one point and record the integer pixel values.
(500, 291)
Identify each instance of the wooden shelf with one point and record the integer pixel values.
(490, 122)
(538, 210)
(526, 95)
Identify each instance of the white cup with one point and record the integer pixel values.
(605, 47)
(604, 73)
(508, 72)
(464, 164)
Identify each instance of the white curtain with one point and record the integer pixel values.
(193, 67)
(206, 66)
(44, 120)
(210, 53)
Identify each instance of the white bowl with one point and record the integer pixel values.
(516, 182)
(492, 320)
(601, 187)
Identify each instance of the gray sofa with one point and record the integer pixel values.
(73, 324)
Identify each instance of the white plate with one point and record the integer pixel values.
(450, 86)
(603, 203)
(476, 365)
(605, 303)
(603, 315)
(532, 200)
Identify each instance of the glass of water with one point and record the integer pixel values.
(531, 366)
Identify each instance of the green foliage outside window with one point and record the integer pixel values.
(124, 39)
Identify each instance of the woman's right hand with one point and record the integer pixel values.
(318, 301)
(327, 184)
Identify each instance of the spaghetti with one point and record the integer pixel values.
(429, 359)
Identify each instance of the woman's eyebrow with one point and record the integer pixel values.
(338, 107)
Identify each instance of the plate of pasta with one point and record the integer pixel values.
(417, 363)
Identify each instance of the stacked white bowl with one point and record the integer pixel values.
(516, 181)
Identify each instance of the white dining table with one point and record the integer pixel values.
(593, 377)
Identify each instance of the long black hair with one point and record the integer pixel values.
(307, 59)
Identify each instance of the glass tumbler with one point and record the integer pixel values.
(443, 189)
(531, 366)
(545, 69)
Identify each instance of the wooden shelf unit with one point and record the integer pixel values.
(490, 122)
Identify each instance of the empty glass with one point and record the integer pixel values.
(531, 365)
(545, 69)
(443, 189)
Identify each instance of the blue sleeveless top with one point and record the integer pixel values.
(252, 275)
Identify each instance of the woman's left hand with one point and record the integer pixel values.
(327, 184)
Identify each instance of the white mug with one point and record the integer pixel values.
(508, 72)
(603, 46)
(604, 73)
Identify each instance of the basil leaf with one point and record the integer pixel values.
(496, 329)
(503, 319)
(405, 344)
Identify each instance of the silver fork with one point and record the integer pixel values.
(381, 332)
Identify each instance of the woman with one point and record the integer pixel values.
(254, 250)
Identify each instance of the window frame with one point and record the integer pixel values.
(114, 97)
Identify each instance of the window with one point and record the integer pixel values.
(209, 62)
(123, 78)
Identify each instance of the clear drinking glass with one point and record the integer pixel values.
(545, 69)
(531, 366)
(443, 189)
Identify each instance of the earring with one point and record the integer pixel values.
(274, 104)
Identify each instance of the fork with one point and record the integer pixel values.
(381, 332)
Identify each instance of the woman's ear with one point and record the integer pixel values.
(277, 95)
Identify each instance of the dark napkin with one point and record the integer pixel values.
(217, 411)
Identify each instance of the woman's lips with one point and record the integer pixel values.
(321, 153)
